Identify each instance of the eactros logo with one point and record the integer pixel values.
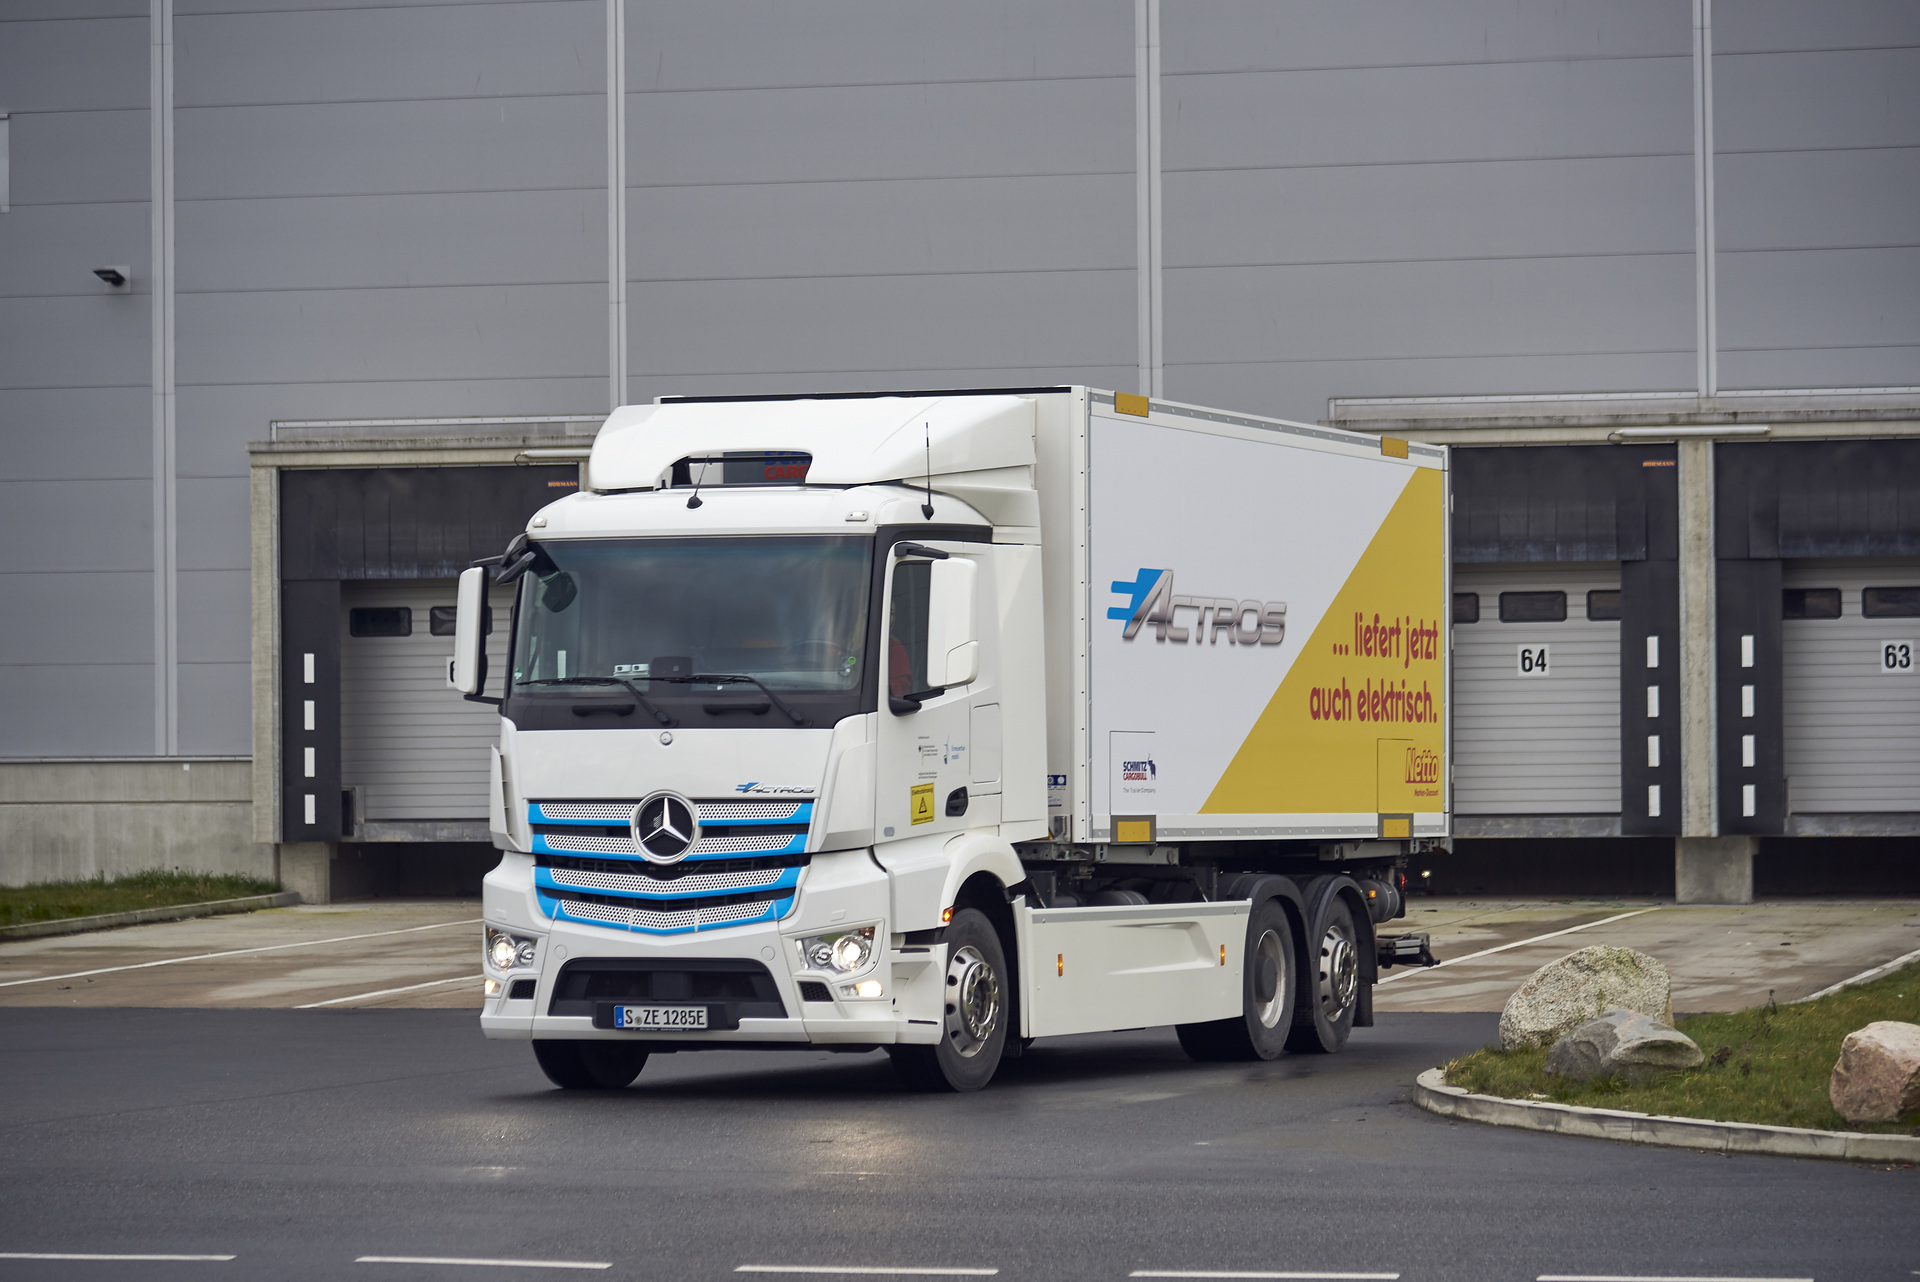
(1151, 603)
(757, 789)
(664, 827)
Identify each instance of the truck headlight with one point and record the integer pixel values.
(505, 951)
(843, 951)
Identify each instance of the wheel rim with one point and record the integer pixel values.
(973, 1001)
(1339, 972)
(1270, 949)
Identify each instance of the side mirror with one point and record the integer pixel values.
(953, 646)
(468, 671)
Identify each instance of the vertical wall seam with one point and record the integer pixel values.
(1146, 102)
(617, 203)
(166, 669)
(1705, 284)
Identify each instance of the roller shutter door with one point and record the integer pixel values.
(413, 748)
(1533, 743)
(1850, 715)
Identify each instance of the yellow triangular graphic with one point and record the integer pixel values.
(1371, 671)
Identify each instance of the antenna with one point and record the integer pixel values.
(926, 509)
(695, 500)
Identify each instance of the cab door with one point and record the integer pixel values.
(931, 666)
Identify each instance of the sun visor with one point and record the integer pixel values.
(851, 442)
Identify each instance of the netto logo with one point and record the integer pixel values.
(1152, 602)
(1423, 765)
(665, 827)
(758, 789)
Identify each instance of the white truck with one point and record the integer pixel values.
(939, 722)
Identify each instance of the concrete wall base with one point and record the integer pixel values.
(1714, 870)
(307, 867)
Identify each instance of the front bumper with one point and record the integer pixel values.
(841, 889)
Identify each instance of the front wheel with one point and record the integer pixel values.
(1329, 986)
(1266, 1001)
(977, 1013)
(590, 1066)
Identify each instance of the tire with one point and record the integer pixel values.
(590, 1066)
(1329, 990)
(979, 992)
(1261, 1029)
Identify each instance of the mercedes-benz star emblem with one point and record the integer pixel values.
(665, 827)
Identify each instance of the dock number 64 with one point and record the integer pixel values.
(1533, 661)
(1897, 656)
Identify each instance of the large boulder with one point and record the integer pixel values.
(1622, 1043)
(1878, 1076)
(1564, 994)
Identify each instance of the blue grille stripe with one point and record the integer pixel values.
(802, 814)
(796, 845)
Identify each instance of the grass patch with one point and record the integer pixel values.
(53, 900)
(1768, 1065)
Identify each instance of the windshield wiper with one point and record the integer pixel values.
(724, 678)
(645, 702)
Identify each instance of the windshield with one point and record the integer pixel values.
(664, 617)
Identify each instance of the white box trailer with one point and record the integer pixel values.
(939, 722)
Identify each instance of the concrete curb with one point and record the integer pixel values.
(143, 916)
(1432, 1093)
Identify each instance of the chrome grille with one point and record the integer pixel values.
(642, 884)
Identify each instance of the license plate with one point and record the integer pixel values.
(660, 1018)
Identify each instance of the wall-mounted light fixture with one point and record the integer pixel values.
(118, 279)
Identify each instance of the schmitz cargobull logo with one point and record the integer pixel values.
(1152, 604)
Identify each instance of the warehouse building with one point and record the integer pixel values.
(304, 306)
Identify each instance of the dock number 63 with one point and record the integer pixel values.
(1533, 661)
(1896, 656)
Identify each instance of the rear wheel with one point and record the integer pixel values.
(1330, 985)
(590, 1066)
(1267, 996)
(975, 1032)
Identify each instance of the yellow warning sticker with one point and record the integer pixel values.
(922, 803)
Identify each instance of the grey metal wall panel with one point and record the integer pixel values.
(76, 526)
(344, 242)
(508, 331)
(76, 710)
(1250, 35)
(37, 62)
(699, 44)
(1374, 213)
(45, 10)
(1852, 732)
(69, 157)
(882, 131)
(1816, 200)
(74, 433)
(1534, 745)
(105, 617)
(213, 616)
(1816, 98)
(1011, 322)
(882, 227)
(216, 702)
(413, 747)
(470, 144)
(1791, 301)
(98, 341)
(1613, 107)
(1746, 26)
(49, 250)
(1429, 309)
(213, 523)
(360, 53)
(1820, 367)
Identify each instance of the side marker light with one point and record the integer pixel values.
(1060, 964)
(1223, 954)
(946, 915)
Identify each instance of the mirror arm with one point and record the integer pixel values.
(918, 549)
(901, 704)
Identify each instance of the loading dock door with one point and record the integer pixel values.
(1850, 711)
(412, 748)
(1536, 711)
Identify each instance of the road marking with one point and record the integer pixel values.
(388, 992)
(867, 1269)
(1231, 1273)
(1644, 1277)
(1518, 943)
(501, 1264)
(238, 952)
(1863, 977)
(79, 1255)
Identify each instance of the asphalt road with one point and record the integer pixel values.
(298, 1142)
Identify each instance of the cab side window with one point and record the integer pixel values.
(907, 628)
